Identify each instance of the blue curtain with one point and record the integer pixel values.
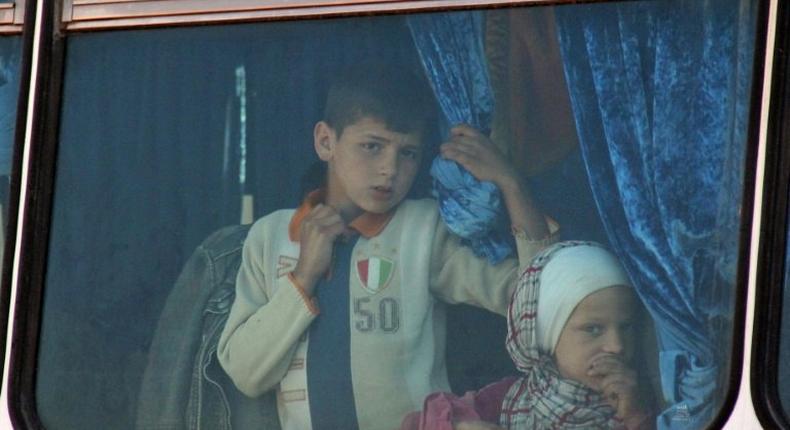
(660, 93)
(450, 46)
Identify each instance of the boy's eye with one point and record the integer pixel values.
(371, 146)
(411, 154)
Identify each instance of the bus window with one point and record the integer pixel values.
(784, 352)
(10, 51)
(770, 373)
(625, 124)
(12, 84)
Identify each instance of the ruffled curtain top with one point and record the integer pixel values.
(451, 48)
(661, 92)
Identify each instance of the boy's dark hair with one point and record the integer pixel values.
(397, 95)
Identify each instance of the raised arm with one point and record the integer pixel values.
(477, 154)
(268, 319)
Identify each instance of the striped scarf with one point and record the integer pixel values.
(542, 398)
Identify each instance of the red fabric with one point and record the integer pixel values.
(440, 410)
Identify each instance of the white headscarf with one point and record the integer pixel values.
(572, 274)
(556, 281)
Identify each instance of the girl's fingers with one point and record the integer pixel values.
(605, 375)
(609, 358)
(610, 383)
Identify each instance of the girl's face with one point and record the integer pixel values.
(602, 325)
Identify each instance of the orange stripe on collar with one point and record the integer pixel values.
(368, 224)
(313, 198)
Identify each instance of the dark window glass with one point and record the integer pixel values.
(9, 93)
(784, 347)
(634, 139)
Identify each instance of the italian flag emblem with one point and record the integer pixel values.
(375, 273)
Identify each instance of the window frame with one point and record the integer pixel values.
(73, 16)
(12, 17)
(79, 15)
(773, 247)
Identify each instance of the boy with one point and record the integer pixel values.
(374, 263)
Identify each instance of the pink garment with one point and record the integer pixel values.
(440, 410)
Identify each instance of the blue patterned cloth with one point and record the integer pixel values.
(451, 50)
(660, 93)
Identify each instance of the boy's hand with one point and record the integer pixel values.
(618, 385)
(319, 229)
(477, 154)
(475, 425)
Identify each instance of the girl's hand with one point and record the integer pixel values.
(477, 154)
(475, 425)
(618, 385)
(319, 229)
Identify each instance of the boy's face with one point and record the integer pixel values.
(371, 168)
(602, 325)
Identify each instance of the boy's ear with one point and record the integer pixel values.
(324, 138)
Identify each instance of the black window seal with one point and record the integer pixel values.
(37, 204)
(40, 187)
(773, 243)
(15, 177)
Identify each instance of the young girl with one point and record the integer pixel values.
(572, 332)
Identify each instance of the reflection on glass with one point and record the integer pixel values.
(784, 346)
(172, 141)
(9, 93)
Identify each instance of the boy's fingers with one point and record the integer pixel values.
(456, 153)
(323, 225)
(321, 210)
(461, 158)
(331, 229)
(464, 130)
(324, 221)
(468, 139)
(328, 218)
(475, 150)
(323, 214)
(470, 147)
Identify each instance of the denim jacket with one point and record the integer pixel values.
(183, 385)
